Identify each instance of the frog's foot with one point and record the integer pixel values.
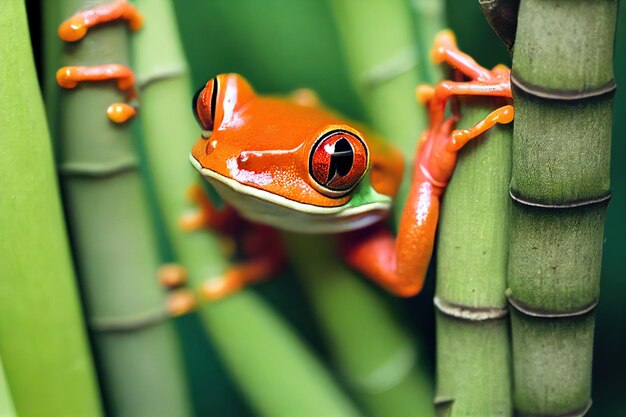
(460, 137)
(483, 82)
(70, 77)
(206, 215)
(172, 275)
(181, 302)
(75, 28)
(266, 257)
(446, 50)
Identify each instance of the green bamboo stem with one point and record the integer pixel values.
(376, 357)
(472, 325)
(114, 241)
(7, 409)
(472, 322)
(429, 19)
(276, 373)
(563, 89)
(383, 61)
(43, 346)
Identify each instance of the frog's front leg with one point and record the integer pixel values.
(261, 245)
(265, 257)
(400, 264)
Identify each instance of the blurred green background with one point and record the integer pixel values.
(282, 45)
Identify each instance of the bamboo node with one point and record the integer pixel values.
(531, 311)
(579, 412)
(469, 313)
(398, 64)
(390, 373)
(562, 94)
(98, 169)
(162, 72)
(516, 196)
(129, 322)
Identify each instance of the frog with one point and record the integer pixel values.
(293, 165)
(288, 163)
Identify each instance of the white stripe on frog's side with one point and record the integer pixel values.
(272, 209)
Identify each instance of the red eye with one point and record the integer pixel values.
(203, 104)
(337, 163)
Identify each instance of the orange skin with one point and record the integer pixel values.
(75, 28)
(270, 137)
(263, 144)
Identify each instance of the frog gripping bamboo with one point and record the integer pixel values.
(305, 170)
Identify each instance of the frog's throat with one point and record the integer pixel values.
(269, 208)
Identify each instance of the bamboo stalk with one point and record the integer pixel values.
(114, 241)
(472, 325)
(376, 356)
(430, 18)
(563, 90)
(7, 408)
(42, 339)
(383, 61)
(384, 68)
(275, 371)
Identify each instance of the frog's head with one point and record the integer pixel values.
(293, 166)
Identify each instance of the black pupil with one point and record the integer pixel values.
(341, 160)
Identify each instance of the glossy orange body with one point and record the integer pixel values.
(264, 142)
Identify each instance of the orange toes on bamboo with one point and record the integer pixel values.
(460, 137)
(181, 302)
(214, 289)
(172, 275)
(444, 41)
(425, 93)
(71, 76)
(75, 28)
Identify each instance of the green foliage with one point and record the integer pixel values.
(43, 345)
(279, 46)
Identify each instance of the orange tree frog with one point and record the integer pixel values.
(295, 166)
(292, 165)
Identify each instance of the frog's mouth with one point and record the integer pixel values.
(268, 208)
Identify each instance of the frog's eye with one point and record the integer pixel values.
(203, 104)
(338, 161)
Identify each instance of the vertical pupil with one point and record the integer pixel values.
(341, 160)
